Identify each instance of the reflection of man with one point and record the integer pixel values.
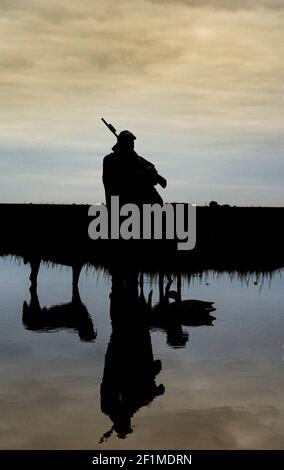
(129, 176)
(130, 369)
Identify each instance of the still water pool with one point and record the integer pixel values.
(126, 371)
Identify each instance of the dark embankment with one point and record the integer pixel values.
(243, 238)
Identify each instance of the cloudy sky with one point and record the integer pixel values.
(200, 82)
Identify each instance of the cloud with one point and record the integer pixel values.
(135, 47)
(173, 73)
(228, 4)
(217, 428)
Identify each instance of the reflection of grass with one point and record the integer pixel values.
(257, 277)
(201, 276)
(260, 277)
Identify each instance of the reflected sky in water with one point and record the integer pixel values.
(218, 385)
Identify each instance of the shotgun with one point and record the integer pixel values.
(160, 179)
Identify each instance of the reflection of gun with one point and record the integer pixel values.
(110, 126)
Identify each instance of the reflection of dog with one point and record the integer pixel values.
(73, 315)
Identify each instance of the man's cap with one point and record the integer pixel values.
(126, 135)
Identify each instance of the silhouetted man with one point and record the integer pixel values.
(129, 176)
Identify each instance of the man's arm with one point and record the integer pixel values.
(152, 173)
